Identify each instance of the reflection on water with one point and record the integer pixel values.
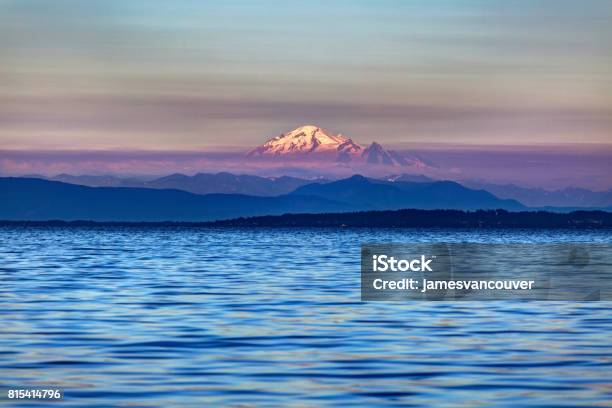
(193, 317)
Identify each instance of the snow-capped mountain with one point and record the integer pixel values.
(376, 154)
(307, 140)
(314, 143)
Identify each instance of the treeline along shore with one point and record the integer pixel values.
(383, 219)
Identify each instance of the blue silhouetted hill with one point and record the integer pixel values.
(371, 194)
(36, 199)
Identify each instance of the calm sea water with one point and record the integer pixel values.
(203, 317)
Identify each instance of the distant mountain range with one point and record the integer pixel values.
(227, 183)
(200, 183)
(312, 143)
(571, 198)
(538, 197)
(37, 199)
(375, 194)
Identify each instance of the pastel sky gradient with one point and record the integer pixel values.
(191, 75)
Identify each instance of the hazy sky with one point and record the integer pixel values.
(182, 75)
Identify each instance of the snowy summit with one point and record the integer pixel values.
(305, 140)
(313, 142)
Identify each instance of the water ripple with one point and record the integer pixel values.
(205, 317)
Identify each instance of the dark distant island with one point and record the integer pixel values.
(431, 218)
(383, 219)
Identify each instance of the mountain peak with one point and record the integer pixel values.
(308, 129)
(304, 140)
(311, 142)
(376, 154)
